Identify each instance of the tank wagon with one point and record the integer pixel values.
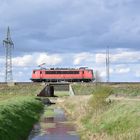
(62, 74)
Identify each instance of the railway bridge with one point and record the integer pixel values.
(49, 89)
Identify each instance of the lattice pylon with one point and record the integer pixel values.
(107, 65)
(8, 44)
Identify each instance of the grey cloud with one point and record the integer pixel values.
(69, 25)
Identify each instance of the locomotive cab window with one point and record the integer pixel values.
(34, 72)
(40, 72)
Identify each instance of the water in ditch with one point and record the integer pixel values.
(53, 125)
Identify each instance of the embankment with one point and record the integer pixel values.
(17, 116)
(99, 119)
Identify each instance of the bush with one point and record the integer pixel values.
(98, 100)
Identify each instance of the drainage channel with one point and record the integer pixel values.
(53, 125)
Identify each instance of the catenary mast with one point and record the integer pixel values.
(9, 45)
(107, 65)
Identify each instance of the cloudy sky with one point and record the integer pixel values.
(72, 33)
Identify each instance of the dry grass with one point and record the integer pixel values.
(97, 120)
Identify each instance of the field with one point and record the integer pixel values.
(118, 89)
(101, 119)
(95, 115)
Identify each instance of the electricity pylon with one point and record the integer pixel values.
(9, 45)
(107, 65)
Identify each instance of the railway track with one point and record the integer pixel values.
(116, 83)
(66, 83)
(18, 83)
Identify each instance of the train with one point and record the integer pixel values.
(81, 74)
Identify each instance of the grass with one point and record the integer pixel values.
(118, 89)
(121, 117)
(19, 110)
(17, 116)
(61, 93)
(119, 121)
(49, 112)
(20, 89)
(127, 90)
(83, 88)
(95, 118)
(98, 99)
(98, 119)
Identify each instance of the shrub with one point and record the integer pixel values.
(98, 100)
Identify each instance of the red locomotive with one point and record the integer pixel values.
(62, 74)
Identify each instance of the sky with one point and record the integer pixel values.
(72, 33)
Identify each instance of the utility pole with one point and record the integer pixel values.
(9, 45)
(107, 65)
